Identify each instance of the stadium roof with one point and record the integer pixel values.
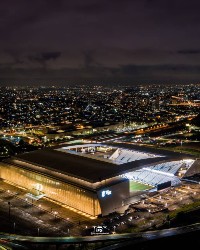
(87, 169)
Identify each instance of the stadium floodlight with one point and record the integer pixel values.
(188, 160)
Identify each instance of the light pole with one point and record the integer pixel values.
(38, 230)
(9, 210)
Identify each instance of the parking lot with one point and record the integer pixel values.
(45, 216)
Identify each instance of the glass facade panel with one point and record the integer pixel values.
(73, 196)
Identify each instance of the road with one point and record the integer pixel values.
(144, 236)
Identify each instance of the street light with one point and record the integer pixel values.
(38, 231)
(14, 227)
(55, 213)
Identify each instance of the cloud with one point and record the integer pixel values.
(189, 51)
(42, 58)
(90, 59)
(15, 55)
(50, 55)
(140, 39)
(97, 74)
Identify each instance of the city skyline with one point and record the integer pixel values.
(116, 42)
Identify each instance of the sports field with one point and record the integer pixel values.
(136, 186)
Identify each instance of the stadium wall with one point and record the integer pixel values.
(79, 198)
(111, 197)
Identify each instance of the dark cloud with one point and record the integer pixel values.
(98, 39)
(88, 58)
(189, 51)
(123, 74)
(50, 55)
(15, 56)
(132, 69)
(42, 58)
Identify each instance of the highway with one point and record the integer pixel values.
(7, 245)
(142, 236)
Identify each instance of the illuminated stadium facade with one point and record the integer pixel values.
(95, 179)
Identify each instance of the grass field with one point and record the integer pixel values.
(136, 186)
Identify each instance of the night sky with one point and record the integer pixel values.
(99, 41)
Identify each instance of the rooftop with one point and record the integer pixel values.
(89, 169)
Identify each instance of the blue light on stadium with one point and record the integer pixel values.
(106, 192)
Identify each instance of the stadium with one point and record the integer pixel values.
(95, 178)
